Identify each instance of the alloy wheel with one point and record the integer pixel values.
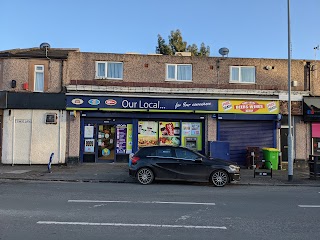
(219, 178)
(145, 176)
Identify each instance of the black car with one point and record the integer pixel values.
(179, 163)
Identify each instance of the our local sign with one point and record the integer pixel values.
(248, 106)
(134, 103)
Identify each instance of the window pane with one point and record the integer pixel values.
(171, 72)
(248, 74)
(234, 74)
(115, 70)
(101, 71)
(186, 154)
(39, 68)
(164, 153)
(39, 82)
(184, 72)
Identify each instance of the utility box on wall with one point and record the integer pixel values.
(51, 118)
(219, 149)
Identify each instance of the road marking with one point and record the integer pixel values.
(153, 202)
(130, 225)
(309, 206)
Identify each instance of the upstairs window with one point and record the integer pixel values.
(179, 72)
(109, 70)
(38, 78)
(242, 74)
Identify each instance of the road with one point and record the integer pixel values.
(55, 210)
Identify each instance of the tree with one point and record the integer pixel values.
(176, 44)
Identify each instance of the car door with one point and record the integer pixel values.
(163, 163)
(191, 166)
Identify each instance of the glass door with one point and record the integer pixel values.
(106, 142)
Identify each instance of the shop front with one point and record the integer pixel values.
(113, 127)
(311, 113)
(247, 123)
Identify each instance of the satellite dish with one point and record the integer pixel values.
(224, 51)
(44, 46)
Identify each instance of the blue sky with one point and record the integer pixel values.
(249, 28)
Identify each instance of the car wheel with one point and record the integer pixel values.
(145, 176)
(219, 178)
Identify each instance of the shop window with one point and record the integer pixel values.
(179, 72)
(109, 70)
(163, 133)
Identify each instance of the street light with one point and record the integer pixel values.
(290, 159)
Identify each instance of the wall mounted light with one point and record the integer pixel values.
(13, 83)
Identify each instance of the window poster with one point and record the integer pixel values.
(121, 146)
(147, 133)
(129, 139)
(169, 133)
(192, 134)
(88, 131)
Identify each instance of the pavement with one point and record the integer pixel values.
(118, 173)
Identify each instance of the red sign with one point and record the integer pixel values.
(110, 102)
(249, 106)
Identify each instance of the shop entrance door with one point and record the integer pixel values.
(284, 143)
(106, 142)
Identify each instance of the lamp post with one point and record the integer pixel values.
(290, 158)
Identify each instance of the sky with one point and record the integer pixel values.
(248, 28)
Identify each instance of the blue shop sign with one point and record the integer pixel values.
(134, 103)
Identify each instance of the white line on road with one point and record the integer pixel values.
(154, 202)
(130, 225)
(309, 206)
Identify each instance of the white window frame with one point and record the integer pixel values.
(106, 70)
(176, 72)
(239, 76)
(35, 77)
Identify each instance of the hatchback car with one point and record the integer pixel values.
(179, 163)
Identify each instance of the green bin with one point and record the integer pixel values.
(272, 155)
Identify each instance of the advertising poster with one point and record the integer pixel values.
(129, 139)
(88, 131)
(249, 106)
(121, 146)
(169, 133)
(191, 135)
(147, 133)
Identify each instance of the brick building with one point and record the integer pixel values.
(100, 107)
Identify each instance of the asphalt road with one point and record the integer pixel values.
(33, 210)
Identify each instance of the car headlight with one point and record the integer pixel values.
(234, 168)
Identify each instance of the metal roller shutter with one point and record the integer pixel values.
(243, 134)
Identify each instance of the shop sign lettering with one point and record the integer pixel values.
(188, 104)
(75, 102)
(23, 121)
(249, 106)
(141, 105)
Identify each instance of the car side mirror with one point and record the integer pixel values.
(198, 160)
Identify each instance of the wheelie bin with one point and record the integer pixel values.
(272, 155)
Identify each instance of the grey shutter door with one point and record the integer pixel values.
(243, 134)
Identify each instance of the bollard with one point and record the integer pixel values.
(49, 164)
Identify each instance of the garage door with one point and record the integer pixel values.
(243, 134)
